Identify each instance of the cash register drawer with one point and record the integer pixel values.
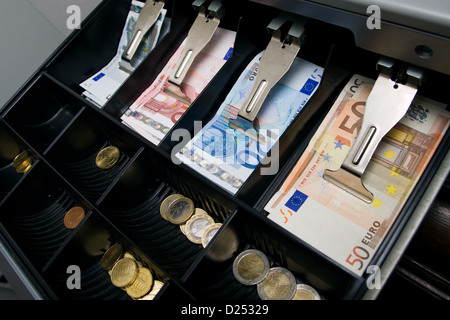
(62, 133)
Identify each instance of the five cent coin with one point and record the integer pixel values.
(73, 217)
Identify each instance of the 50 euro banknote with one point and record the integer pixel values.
(104, 83)
(338, 224)
(228, 157)
(155, 112)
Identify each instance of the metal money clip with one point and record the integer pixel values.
(386, 105)
(275, 62)
(146, 19)
(200, 34)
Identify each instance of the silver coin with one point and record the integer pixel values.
(196, 225)
(180, 210)
(279, 284)
(306, 292)
(251, 267)
(209, 233)
(166, 202)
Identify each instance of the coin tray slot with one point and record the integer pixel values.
(34, 214)
(42, 113)
(85, 250)
(10, 146)
(74, 154)
(140, 219)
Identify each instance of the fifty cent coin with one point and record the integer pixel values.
(107, 157)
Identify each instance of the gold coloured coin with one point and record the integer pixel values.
(107, 157)
(73, 217)
(251, 267)
(183, 228)
(306, 292)
(141, 285)
(22, 162)
(180, 210)
(209, 233)
(124, 272)
(166, 202)
(157, 285)
(111, 256)
(196, 225)
(24, 169)
(279, 284)
(128, 255)
(20, 159)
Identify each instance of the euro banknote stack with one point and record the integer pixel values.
(336, 223)
(155, 112)
(103, 84)
(228, 157)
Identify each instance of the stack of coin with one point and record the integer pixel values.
(22, 162)
(251, 267)
(129, 274)
(107, 157)
(177, 208)
(198, 226)
(279, 284)
(73, 217)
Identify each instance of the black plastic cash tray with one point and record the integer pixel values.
(63, 132)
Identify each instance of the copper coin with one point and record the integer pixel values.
(73, 217)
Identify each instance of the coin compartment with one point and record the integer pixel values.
(33, 214)
(213, 276)
(74, 154)
(42, 113)
(140, 217)
(11, 145)
(85, 251)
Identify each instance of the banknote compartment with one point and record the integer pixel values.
(11, 145)
(75, 152)
(146, 74)
(97, 42)
(433, 88)
(253, 21)
(85, 251)
(33, 215)
(328, 47)
(42, 113)
(213, 278)
(139, 217)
